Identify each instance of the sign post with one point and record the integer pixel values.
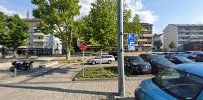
(83, 47)
(121, 77)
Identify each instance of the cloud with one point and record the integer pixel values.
(136, 6)
(85, 7)
(10, 12)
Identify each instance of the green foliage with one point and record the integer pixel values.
(136, 25)
(102, 24)
(57, 17)
(158, 44)
(171, 45)
(13, 31)
(96, 73)
(18, 32)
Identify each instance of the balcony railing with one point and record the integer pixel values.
(38, 40)
(141, 40)
(188, 31)
(147, 35)
(151, 45)
(38, 34)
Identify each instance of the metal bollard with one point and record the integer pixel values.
(15, 71)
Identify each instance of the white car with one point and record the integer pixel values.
(104, 59)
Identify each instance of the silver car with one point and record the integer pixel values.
(104, 59)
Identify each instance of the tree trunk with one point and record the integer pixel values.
(69, 41)
(100, 57)
(15, 53)
(3, 52)
(68, 57)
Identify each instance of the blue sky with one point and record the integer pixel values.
(158, 12)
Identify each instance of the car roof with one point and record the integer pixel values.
(193, 68)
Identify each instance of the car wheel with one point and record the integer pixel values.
(131, 71)
(93, 62)
(109, 62)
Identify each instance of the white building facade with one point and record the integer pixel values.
(182, 34)
(40, 43)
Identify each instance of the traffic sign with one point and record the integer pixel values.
(131, 41)
(83, 46)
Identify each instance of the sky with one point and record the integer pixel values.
(160, 13)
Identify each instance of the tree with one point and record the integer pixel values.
(3, 31)
(137, 28)
(158, 44)
(136, 25)
(171, 45)
(13, 32)
(58, 19)
(102, 20)
(17, 34)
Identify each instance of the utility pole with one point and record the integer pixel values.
(121, 78)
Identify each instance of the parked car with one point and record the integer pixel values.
(183, 82)
(199, 58)
(180, 60)
(192, 54)
(114, 53)
(104, 58)
(136, 65)
(171, 54)
(157, 62)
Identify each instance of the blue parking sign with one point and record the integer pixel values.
(131, 41)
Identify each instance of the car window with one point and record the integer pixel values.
(180, 84)
(157, 58)
(136, 59)
(184, 59)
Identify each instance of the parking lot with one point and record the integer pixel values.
(55, 82)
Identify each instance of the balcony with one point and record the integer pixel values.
(147, 35)
(184, 40)
(190, 31)
(148, 45)
(38, 34)
(39, 46)
(196, 40)
(38, 40)
(142, 40)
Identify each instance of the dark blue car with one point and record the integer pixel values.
(183, 82)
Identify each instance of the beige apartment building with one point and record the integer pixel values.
(146, 39)
(183, 35)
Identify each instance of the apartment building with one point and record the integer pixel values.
(145, 41)
(40, 43)
(183, 35)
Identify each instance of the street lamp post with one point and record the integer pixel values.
(121, 78)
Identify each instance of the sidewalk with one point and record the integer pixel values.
(57, 85)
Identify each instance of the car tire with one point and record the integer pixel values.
(93, 62)
(109, 62)
(131, 71)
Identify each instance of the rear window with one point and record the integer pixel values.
(200, 55)
(180, 84)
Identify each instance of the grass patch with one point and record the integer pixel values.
(64, 61)
(96, 73)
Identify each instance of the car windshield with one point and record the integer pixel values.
(184, 59)
(136, 59)
(178, 83)
(157, 58)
